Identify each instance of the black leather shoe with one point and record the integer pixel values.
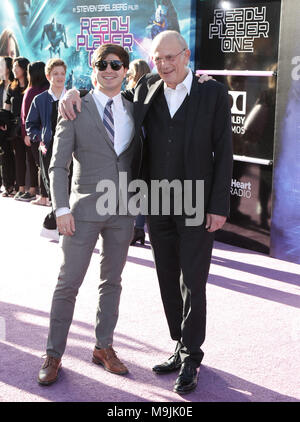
(187, 379)
(138, 235)
(171, 365)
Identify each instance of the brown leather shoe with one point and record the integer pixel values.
(49, 371)
(108, 359)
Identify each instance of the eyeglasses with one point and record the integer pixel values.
(114, 64)
(168, 59)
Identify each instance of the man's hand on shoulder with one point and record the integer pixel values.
(204, 78)
(66, 104)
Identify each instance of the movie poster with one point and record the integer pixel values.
(285, 229)
(73, 29)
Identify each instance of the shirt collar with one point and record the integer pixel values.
(117, 99)
(54, 96)
(186, 83)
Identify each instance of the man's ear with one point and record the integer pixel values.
(187, 54)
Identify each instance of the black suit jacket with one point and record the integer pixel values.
(208, 136)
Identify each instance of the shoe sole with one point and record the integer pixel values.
(45, 383)
(182, 393)
(99, 362)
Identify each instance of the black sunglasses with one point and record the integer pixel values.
(114, 64)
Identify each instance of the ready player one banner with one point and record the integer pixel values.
(73, 29)
(239, 27)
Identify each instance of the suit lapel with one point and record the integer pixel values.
(128, 106)
(93, 110)
(141, 109)
(151, 91)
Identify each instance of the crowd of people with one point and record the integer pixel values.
(22, 81)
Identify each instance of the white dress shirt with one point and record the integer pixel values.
(54, 96)
(175, 97)
(123, 127)
(123, 121)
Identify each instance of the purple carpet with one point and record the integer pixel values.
(252, 347)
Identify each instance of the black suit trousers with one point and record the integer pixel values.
(182, 257)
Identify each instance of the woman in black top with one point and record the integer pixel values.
(13, 103)
(8, 158)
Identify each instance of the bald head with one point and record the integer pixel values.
(165, 37)
(171, 55)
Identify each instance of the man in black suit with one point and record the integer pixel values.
(188, 137)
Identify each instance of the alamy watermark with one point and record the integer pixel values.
(296, 70)
(166, 198)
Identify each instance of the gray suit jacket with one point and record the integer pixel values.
(94, 159)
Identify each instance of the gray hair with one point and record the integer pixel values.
(168, 34)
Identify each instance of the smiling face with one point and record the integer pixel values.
(57, 77)
(109, 81)
(171, 59)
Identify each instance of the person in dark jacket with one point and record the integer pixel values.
(40, 128)
(188, 138)
(42, 118)
(13, 104)
(37, 83)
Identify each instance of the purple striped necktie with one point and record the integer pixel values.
(108, 120)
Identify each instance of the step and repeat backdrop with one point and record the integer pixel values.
(252, 47)
(237, 41)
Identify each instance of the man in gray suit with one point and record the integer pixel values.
(101, 142)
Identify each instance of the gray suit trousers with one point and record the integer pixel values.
(116, 234)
